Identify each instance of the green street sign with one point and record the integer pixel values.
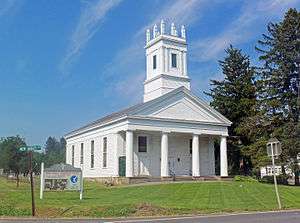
(23, 149)
(35, 147)
(30, 148)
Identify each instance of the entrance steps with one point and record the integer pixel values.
(145, 179)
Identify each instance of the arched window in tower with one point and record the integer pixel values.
(174, 60)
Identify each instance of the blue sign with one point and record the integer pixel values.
(74, 179)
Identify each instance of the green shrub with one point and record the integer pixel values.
(240, 178)
(281, 179)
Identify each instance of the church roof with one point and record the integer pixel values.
(108, 118)
(136, 108)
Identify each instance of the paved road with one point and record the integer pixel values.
(266, 217)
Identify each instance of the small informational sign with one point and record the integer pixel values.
(67, 181)
(60, 177)
(274, 147)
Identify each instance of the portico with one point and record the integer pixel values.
(164, 157)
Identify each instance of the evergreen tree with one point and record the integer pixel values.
(54, 151)
(278, 85)
(235, 98)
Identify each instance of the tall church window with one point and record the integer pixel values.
(174, 60)
(73, 148)
(104, 164)
(154, 62)
(142, 144)
(92, 153)
(191, 146)
(81, 153)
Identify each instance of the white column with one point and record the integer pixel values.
(167, 60)
(223, 157)
(195, 156)
(129, 153)
(162, 59)
(184, 64)
(164, 164)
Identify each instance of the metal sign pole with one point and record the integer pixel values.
(42, 181)
(275, 180)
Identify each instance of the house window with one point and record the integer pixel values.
(104, 152)
(174, 60)
(73, 151)
(154, 62)
(92, 153)
(142, 144)
(191, 146)
(81, 154)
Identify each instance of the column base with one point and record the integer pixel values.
(229, 178)
(198, 178)
(167, 178)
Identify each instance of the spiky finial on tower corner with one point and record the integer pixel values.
(173, 29)
(183, 34)
(162, 27)
(155, 34)
(148, 35)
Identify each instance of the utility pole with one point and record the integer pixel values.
(29, 150)
(31, 183)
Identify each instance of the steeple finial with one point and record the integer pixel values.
(173, 30)
(183, 34)
(155, 31)
(148, 35)
(162, 27)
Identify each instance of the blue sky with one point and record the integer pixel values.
(65, 63)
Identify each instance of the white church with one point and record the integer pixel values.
(170, 134)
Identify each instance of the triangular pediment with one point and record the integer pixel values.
(180, 104)
(185, 110)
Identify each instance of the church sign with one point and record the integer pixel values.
(60, 177)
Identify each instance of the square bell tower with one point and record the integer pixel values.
(166, 63)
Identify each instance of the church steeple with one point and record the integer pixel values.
(166, 63)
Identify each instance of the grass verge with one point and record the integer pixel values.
(149, 200)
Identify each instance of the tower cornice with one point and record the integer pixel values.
(175, 39)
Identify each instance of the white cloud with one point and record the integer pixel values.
(91, 18)
(240, 30)
(131, 58)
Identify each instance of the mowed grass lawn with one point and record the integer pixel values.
(149, 200)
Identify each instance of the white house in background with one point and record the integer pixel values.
(171, 132)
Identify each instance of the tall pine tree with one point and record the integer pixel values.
(278, 87)
(235, 98)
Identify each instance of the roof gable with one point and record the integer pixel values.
(180, 104)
